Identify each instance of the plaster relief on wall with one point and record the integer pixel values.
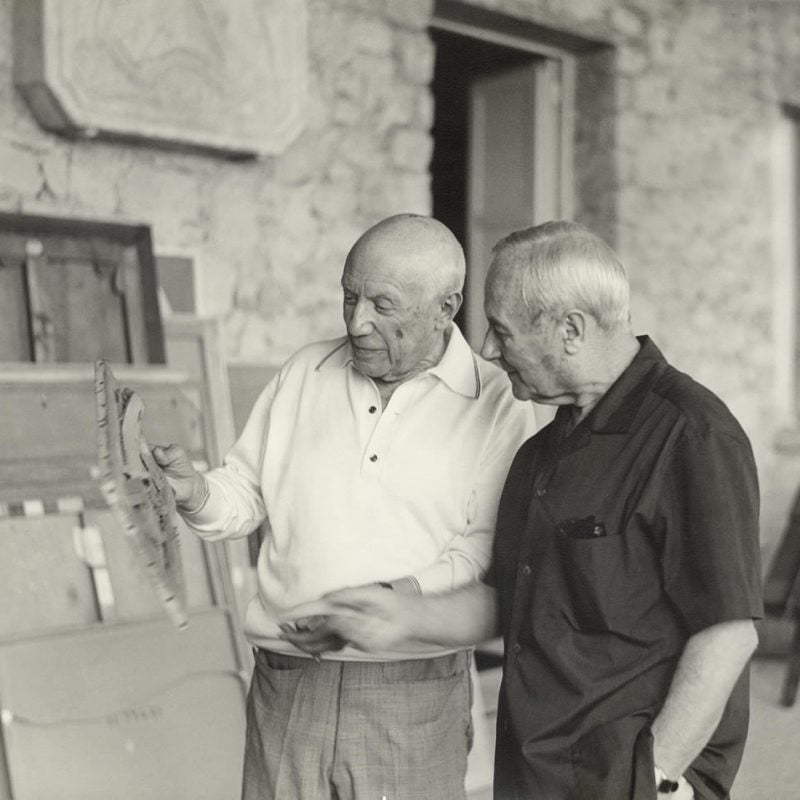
(203, 73)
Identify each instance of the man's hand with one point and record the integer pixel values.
(313, 635)
(369, 618)
(187, 483)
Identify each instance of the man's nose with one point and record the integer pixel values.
(360, 320)
(489, 348)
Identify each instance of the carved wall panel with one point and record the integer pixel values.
(208, 74)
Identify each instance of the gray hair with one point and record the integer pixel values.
(563, 265)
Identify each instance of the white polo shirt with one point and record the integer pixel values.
(354, 493)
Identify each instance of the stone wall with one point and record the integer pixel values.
(268, 236)
(672, 165)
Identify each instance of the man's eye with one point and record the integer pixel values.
(349, 299)
(384, 309)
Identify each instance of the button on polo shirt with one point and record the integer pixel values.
(645, 533)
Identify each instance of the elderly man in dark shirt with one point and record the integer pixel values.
(625, 576)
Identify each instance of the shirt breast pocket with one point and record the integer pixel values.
(600, 581)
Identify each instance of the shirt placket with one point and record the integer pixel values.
(529, 546)
(385, 423)
(535, 541)
(533, 548)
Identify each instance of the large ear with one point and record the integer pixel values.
(574, 326)
(449, 307)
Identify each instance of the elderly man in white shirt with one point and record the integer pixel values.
(376, 458)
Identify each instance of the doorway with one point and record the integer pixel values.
(498, 160)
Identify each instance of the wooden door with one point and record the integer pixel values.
(75, 291)
(514, 167)
(125, 688)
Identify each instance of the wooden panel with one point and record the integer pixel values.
(85, 309)
(43, 583)
(72, 261)
(14, 337)
(47, 426)
(194, 345)
(133, 596)
(39, 300)
(247, 381)
(125, 712)
(47, 431)
(116, 709)
(501, 175)
(176, 278)
(94, 319)
(132, 305)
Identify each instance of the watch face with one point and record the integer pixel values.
(666, 786)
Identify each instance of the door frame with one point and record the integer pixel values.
(555, 76)
(445, 19)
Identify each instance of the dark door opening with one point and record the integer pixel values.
(482, 132)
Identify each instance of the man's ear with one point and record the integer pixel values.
(449, 308)
(574, 326)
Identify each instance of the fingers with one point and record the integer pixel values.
(313, 636)
(173, 456)
(162, 454)
(369, 618)
(360, 600)
(308, 624)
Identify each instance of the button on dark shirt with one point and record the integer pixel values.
(647, 535)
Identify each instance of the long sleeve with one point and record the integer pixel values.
(235, 506)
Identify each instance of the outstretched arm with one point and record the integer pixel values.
(710, 665)
(376, 619)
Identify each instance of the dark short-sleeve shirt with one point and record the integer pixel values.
(615, 543)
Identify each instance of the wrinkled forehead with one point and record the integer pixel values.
(370, 277)
(375, 288)
(401, 270)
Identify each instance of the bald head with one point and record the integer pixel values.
(425, 251)
(402, 287)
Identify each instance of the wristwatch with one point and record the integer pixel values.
(663, 784)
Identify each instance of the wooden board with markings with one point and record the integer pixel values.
(74, 602)
(47, 426)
